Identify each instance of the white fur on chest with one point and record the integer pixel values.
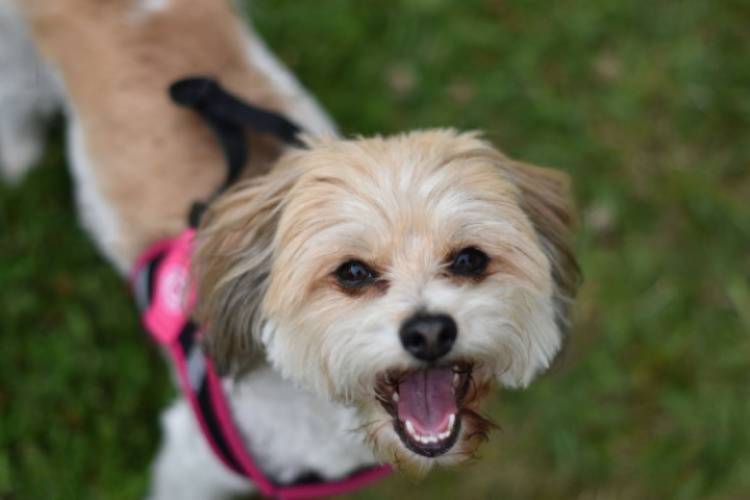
(293, 431)
(290, 432)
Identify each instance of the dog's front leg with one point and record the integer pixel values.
(186, 467)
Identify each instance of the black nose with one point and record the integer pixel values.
(428, 336)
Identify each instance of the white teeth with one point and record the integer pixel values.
(431, 439)
(410, 428)
(395, 397)
(456, 380)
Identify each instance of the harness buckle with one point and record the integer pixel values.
(171, 295)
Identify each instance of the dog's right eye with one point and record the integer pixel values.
(355, 274)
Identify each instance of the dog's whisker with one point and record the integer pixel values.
(369, 423)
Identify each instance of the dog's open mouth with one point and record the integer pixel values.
(426, 406)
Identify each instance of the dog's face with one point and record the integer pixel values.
(404, 275)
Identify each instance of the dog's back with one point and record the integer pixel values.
(137, 159)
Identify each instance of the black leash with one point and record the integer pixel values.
(228, 117)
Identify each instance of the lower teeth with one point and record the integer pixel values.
(432, 438)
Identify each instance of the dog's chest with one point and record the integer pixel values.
(292, 432)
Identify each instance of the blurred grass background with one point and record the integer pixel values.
(646, 104)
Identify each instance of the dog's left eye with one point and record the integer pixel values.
(355, 274)
(469, 262)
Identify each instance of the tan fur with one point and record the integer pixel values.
(153, 159)
(547, 199)
(235, 247)
(403, 205)
(240, 226)
(268, 249)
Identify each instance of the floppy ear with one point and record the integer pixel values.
(232, 263)
(546, 198)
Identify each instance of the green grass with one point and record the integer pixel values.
(646, 104)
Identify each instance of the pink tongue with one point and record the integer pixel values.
(426, 398)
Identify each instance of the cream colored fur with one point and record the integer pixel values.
(268, 251)
(306, 354)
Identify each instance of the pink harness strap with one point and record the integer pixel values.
(162, 289)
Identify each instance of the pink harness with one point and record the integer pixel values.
(165, 297)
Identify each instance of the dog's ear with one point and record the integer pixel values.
(547, 200)
(234, 250)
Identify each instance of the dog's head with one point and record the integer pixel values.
(403, 275)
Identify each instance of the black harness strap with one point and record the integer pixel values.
(228, 117)
(163, 293)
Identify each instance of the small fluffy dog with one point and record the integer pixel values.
(362, 296)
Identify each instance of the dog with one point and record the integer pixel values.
(361, 297)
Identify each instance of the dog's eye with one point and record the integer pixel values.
(469, 262)
(355, 274)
